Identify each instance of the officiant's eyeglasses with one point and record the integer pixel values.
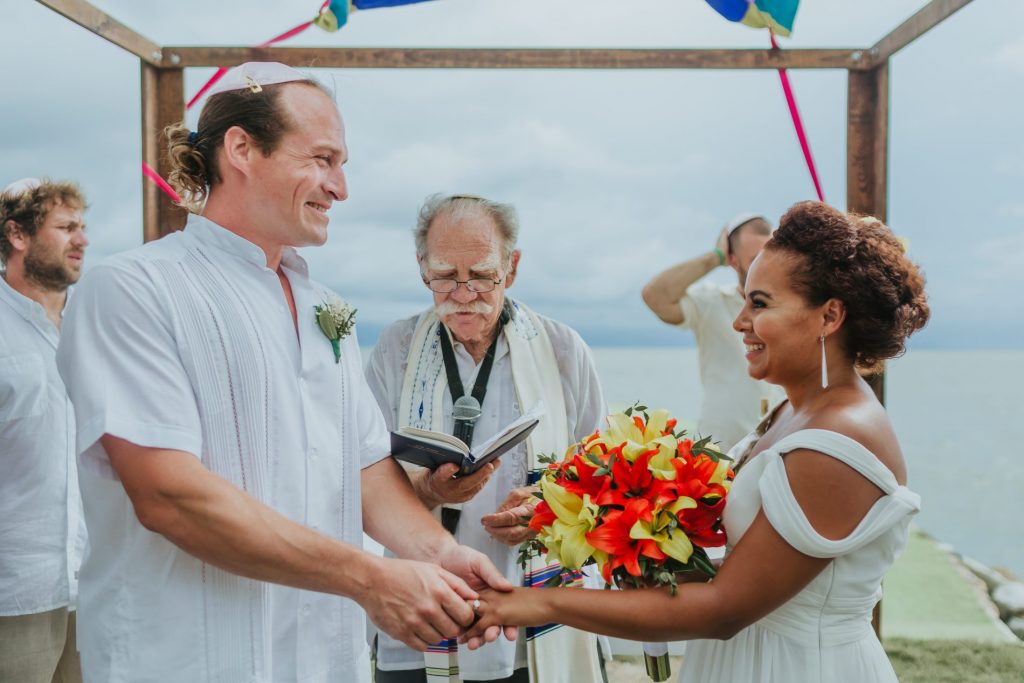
(446, 285)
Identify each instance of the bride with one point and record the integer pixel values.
(819, 508)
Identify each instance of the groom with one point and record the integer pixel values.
(230, 462)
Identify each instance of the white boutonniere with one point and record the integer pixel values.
(336, 320)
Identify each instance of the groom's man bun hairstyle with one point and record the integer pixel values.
(859, 261)
(193, 155)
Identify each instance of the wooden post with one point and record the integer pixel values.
(867, 165)
(163, 103)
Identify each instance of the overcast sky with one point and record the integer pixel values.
(616, 175)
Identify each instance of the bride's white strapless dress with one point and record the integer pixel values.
(824, 633)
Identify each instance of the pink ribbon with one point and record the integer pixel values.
(148, 171)
(798, 124)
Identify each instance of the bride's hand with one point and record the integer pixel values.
(520, 607)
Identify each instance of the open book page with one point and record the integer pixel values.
(429, 436)
(526, 421)
(431, 449)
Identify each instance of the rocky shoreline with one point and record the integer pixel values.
(1002, 592)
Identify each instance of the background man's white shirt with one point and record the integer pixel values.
(42, 533)
(187, 343)
(731, 406)
(585, 409)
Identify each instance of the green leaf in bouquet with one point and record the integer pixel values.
(700, 561)
(554, 581)
(593, 460)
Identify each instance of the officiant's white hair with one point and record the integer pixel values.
(461, 206)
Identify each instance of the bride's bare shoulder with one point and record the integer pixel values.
(867, 423)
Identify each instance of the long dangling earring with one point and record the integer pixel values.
(824, 364)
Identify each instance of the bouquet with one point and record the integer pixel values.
(638, 499)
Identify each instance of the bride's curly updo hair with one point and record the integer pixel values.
(857, 260)
(193, 155)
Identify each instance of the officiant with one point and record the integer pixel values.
(468, 366)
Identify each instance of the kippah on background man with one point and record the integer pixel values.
(42, 533)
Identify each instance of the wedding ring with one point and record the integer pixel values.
(476, 605)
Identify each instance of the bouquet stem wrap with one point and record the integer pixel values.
(656, 660)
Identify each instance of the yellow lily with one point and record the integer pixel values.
(719, 476)
(673, 543)
(623, 430)
(576, 517)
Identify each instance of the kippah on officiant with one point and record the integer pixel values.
(469, 366)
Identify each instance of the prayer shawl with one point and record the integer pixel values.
(562, 655)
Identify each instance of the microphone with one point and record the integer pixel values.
(466, 411)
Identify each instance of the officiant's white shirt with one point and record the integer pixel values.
(187, 343)
(585, 409)
(42, 534)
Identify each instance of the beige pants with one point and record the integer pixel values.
(39, 648)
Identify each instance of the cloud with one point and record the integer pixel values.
(1010, 56)
(616, 174)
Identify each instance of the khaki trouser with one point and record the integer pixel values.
(39, 648)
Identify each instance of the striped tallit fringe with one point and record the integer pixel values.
(536, 578)
(442, 662)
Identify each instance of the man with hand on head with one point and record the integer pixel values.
(476, 345)
(232, 455)
(42, 533)
(732, 402)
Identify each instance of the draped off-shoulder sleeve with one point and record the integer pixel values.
(788, 518)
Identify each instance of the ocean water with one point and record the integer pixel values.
(958, 414)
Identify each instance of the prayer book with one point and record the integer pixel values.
(432, 449)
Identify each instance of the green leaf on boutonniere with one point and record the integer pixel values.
(336, 320)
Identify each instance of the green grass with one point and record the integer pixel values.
(928, 595)
(955, 661)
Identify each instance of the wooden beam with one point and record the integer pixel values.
(518, 58)
(163, 103)
(913, 28)
(102, 24)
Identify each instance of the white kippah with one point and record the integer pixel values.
(743, 219)
(21, 186)
(254, 75)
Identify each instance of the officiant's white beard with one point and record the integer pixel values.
(450, 307)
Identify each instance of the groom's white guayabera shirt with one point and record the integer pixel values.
(187, 343)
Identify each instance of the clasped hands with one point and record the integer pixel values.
(421, 604)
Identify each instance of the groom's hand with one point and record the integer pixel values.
(419, 603)
(479, 572)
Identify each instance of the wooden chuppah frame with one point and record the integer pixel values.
(867, 116)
